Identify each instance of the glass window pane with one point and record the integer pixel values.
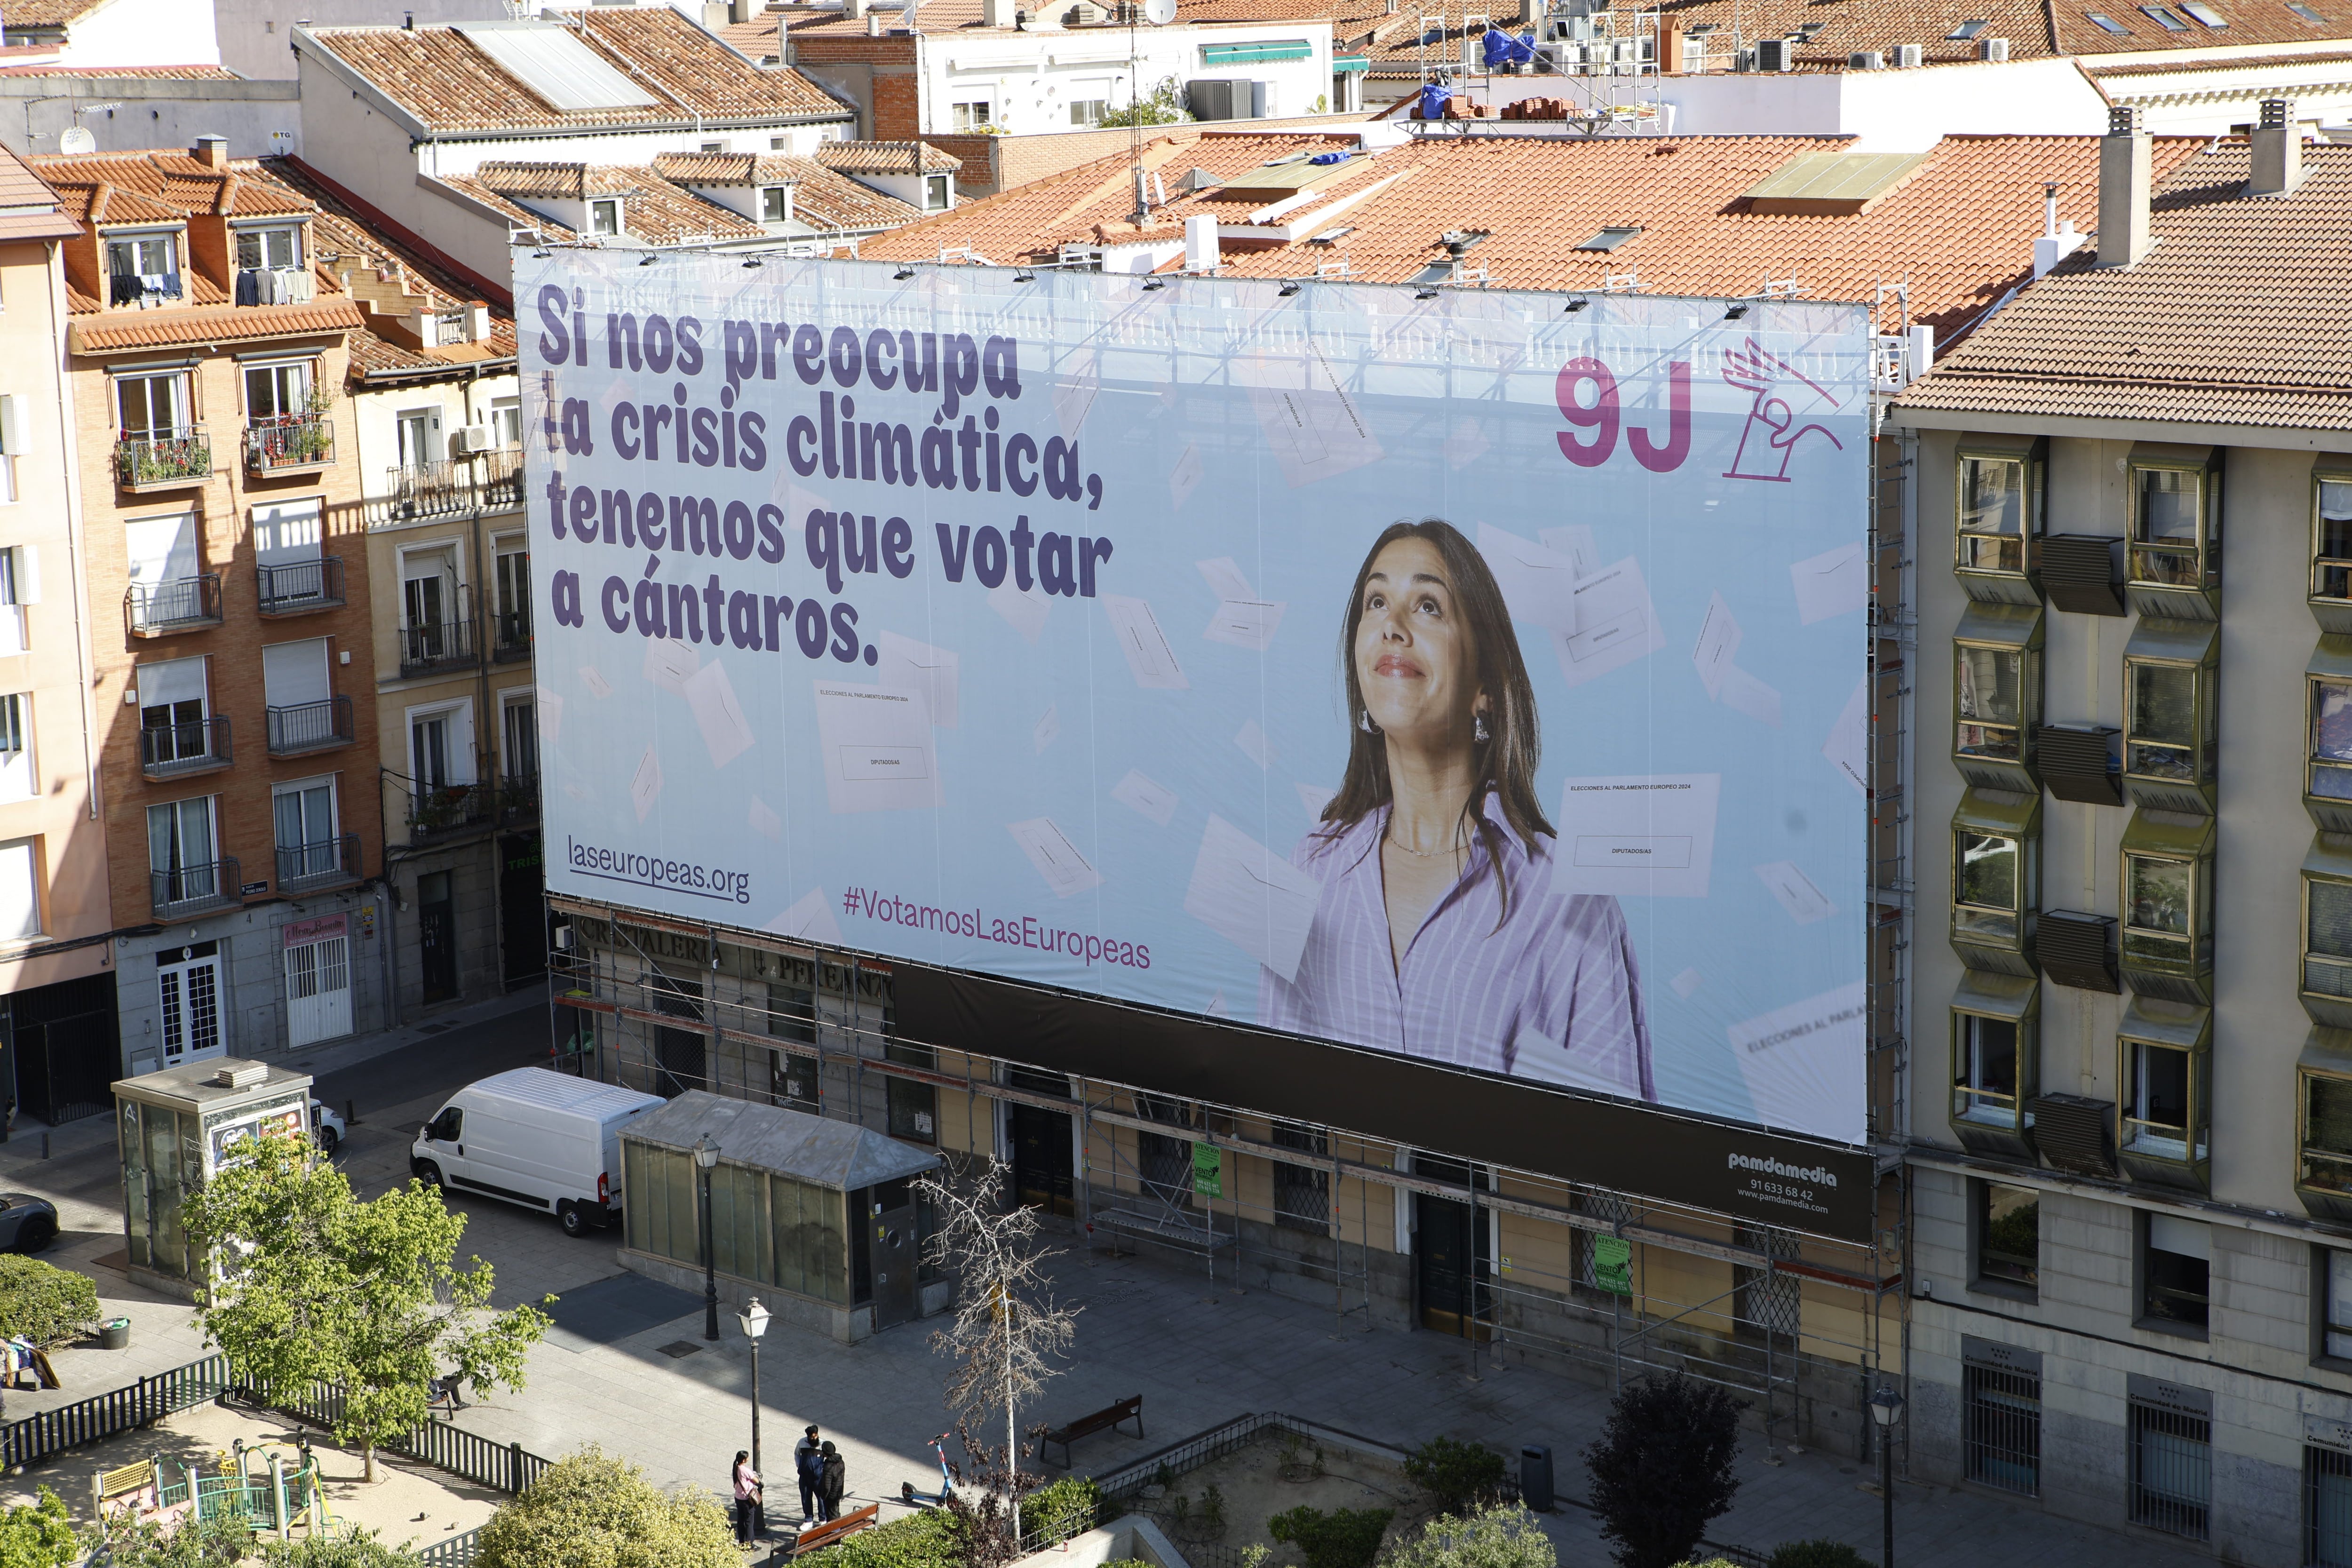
(1993, 496)
(2010, 1239)
(2328, 929)
(1989, 684)
(1987, 871)
(2164, 703)
(2168, 507)
(2157, 894)
(2331, 737)
(2160, 1085)
(2336, 519)
(2327, 1125)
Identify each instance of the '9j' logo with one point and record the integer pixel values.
(1602, 416)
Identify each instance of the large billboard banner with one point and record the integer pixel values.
(1472, 675)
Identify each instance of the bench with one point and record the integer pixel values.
(1103, 1420)
(833, 1532)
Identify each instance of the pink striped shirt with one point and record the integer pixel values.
(1551, 991)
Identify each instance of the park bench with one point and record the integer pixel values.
(1103, 1420)
(833, 1532)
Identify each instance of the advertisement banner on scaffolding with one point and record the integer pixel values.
(1475, 677)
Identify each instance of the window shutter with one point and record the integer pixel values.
(28, 575)
(8, 447)
(2330, 935)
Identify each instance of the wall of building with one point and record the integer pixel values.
(259, 117)
(142, 33)
(254, 33)
(991, 164)
(1030, 78)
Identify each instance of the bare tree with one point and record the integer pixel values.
(1007, 1327)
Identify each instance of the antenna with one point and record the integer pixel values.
(1159, 13)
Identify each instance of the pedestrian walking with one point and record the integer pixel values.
(747, 1496)
(805, 1467)
(834, 1477)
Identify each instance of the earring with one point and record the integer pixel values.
(1480, 733)
(1364, 722)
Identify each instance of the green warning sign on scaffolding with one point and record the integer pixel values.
(1612, 1264)
(1208, 1171)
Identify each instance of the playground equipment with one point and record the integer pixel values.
(254, 1484)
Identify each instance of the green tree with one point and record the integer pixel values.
(37, 1534)
(1458, 1476)
(596, 1510)
(1818, 1553)
(1164, 107)
(43, 1304)
(1343, 1538)
(360, 1549)
(1663, 1468)
(1503, 1537)
(142, 1543)
(311, 1283)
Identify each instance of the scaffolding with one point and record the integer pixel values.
(1604, 59)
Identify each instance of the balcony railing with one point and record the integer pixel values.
(502, 480)
(513, 639)
(438, 646)
(420, 491)
(179, 605)
(436, 811)
(298, 587)
(162, 459)
(309, 727)
(171, 751)
(517, 800)
(282, 443)
(184, 890)
(309, 867)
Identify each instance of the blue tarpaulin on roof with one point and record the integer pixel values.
(1502, 48)
(1432, 101)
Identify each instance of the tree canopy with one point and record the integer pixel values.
(596, 1511)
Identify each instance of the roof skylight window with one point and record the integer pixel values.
(2163, 18)
(2106, 22)
(2205, 13)
(1610, 238)
(2307, 13)
(1967, 30)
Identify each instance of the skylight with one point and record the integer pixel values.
(555, 66)
(2106, 21)
(2205, 13)
(2163, 18)
(1966, 30)
(1610, 238)
(2307, 13)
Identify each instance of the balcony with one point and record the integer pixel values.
(314, 867)
(300, 587)
(512, 638)
(175, 750)
(289, 444)
(501, 478)
(163, 459)
(444, 810)
(437, 646)
(180, 605)
(420, 493)
(311, 727)
(517, 800)
(184, 891)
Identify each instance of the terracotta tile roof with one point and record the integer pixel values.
(1960, 229)
(152, 187)
(2241, 314)
(727, 168)
(886, 158)
(654, 211)
(232, 323)
(828, 199)
(447, 84)
(516, 214)
(2335, 59)
(756, 39)
(30, 209)
(23, 14)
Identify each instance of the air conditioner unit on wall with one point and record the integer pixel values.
(1996, 49)
(1776, 54)
(1907, 56)
(472, 438)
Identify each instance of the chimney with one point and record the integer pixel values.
(2125, 177)
(852, 9)
(995, 13)
(212, 152)
(2056, 243)
(2276, 166)
(1201, 245)
(874, 24)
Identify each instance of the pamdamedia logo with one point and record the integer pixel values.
(1821, 1177)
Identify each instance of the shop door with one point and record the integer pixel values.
(1449, 1245)
(895, 1252)
(523, 910)
(1042, 1166)
(318, 981)
(187, 984)
(436, 936)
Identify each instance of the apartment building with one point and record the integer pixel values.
(56, 969)
(2131, 1260)
(232, 660)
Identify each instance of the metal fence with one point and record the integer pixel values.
(2004, 1430)
(503, 1467)
(117, 1410)
(456, 1551)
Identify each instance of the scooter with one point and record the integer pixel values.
(913, 1499)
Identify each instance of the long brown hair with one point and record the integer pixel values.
(1507, 760)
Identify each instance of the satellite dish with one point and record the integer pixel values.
(77, 140)
(1159, 13)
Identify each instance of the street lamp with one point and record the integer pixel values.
(1886, 1409)
(754, 1318)
(705, 1158)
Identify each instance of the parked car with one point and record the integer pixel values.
(535, 1137)
(28, 1223)
(327, 1127)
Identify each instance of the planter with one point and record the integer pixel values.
(114, 1334)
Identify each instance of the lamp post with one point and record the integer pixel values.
(754, 1318)
(1886, 1409)
(705, 1158)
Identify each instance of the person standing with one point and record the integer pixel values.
(832, 1479)
(747, 1496)
(805, 1467)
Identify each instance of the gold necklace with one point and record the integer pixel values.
(1455, 848)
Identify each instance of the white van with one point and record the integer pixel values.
(536, 1137)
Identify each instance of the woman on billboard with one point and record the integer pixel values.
(1438, 934)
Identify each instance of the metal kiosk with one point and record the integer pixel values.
(176, 1127)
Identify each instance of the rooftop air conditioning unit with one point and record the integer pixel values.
(1776, 54)
(1217, 98)
(473, 439)
(1907, 56)
(1866, 60)
(1995, 49)
(241, 1075)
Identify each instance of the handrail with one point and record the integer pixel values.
(174, 604)
(166, 750)
(307, 868)
(310, 726)
(294, 586)
(193, 890)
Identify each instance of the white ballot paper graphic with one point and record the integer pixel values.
(1687, 983)
(1185, 477)
(594, 679)
(1047, 730)
(646, 785)
(1718, 640)
(1077, 381)
(550, 716)
(933, 672)
(1057, 858)
(1024, 610)
(1242, 619)
(710, 698)
(1147, 797)
(1743, 693)
(764, 821)
(1144, 643)
(1253, 742)
(1252, 898)
(877, 742)
(671, 663)
(1848, 747)
(1615, 624)
(1805, 903)
(811, 918)
(1315, 429)
(1832, 583)
(1640, 835)
(1803, 1064)
(1576, 542)
(1538, 585)
(1547, 1060)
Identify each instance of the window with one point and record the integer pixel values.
(2205, 13)
(1090, 100)
(2172, 1467)
(180, 851)
(776, 203)
(2003, 1419)
(271, 247)
(2161, 730)
(2167, 920)
(2331, 739)
(513, 583)
(2331, 536)
(2008, 1234)
(298, 690)
(973, 117)
(2161, 1113)
(1164, 1163)
(1985, 1069)
(430, 752)
(2326, 936)
(308, 846)
(2163, 18)
(2332, 1274)
(430, 597)
(174, 703)
(1985, 884)
(1966, 30)
(605, 217)
(506, 421)
(277, 393)
(154, 407)
(791, 1006)
(1302, 1193)
(142, 267)
(19, 587)
(2326, 1164)
(913, 1109)
(780, 143)
(1989, 702)
(2307, 13)
(20, 890)
(419, 430)
(2164, 527)
(518, 739)
(935, 194)
(714, 147)
(1999, 508)
(2160, 907)
(1610, 238)
(2176, 1271)
(17, 780)
(2326, 1506)
(2105, 23)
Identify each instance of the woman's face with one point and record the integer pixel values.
(1416, 662)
